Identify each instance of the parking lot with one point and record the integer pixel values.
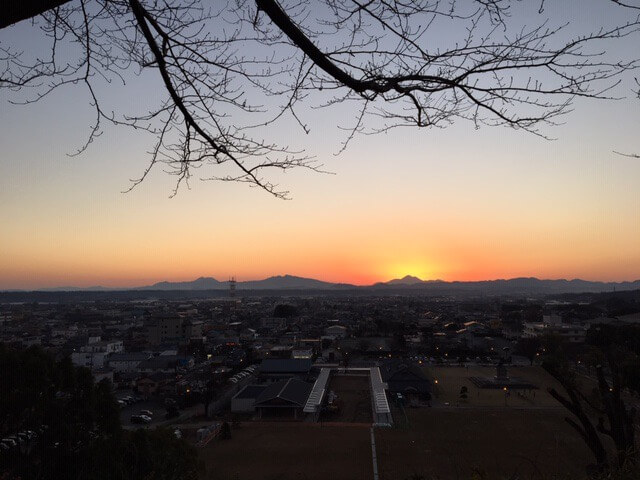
(154, 406)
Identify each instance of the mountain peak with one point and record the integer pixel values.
(406, 280)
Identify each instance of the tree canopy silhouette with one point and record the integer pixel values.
(398, 63)
(83, 436)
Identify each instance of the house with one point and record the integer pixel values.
(407, 379)
(281, 351)
(89, 359)
(274, 369)
(165, 364)
(244, 400)
(302, 354)
(153, 383)
(172, 328)
(102, 374)
(283, 399)
(335, 331)
(126, 361)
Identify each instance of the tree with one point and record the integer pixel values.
(464, 393)
(225, 431)
(209, 395)
(389, 60)
(529, 348)
(83, 438)
(619, 347)
(574, 403)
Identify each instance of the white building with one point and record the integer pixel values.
(89, 359)
(127, 361)
(573, 333)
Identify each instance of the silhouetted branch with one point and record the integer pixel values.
(233, 68)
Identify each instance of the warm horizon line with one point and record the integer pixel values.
(134, 286)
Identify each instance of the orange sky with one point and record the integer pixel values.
(454, 204)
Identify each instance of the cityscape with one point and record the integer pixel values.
(319, 239)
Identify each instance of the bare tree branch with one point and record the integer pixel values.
(232, 69)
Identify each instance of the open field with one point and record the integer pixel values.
(283, 452)
(448, 444)
(452, 379)
(528, 438)
(354, 399)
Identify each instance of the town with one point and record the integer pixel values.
(267, 369)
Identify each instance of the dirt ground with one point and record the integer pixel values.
(452, 379)
(448, 444)
(290, 452)
(354, 398)
(528, 438)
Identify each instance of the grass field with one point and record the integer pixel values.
(448, 444)
(452, 379)
(290, 452)
(354, 399)
(527, 437)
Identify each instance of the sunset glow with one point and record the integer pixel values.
(457, 203)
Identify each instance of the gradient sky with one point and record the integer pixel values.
(454, 204)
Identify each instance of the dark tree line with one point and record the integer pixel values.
(617, 350)
(422, 63)
(83, 438)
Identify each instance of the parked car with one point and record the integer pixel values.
(171, 413)
(10, 442)
(148, 413)
(140, 419)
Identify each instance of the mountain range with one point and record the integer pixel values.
(415, 285)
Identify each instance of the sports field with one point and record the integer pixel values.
(450, 381)
(272, 451)
(353, 399)
(450, 443)
(527, 438)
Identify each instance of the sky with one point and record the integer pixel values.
(452, 204)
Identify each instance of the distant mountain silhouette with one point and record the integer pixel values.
(278, 282)
(410, 284)
(290, 282)
(406, 280)
(202, 283)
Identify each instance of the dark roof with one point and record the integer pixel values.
(404, 376)
(129, 356)
(291, 390)
(251, 391)
(285, 365)
(159, 363)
